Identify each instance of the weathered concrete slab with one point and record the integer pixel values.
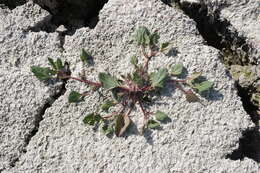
(198, 138)
(22, 96)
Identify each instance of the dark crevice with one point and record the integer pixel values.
(235, 51)
(71, 14)
(37, 120)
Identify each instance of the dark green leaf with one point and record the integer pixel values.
(164, 46)
(74, 97)
(142, 36)
(161, 116)
(192, 77)
(85, 57)
(108, 103)
(176, 69)
(42, 73)
(152, 124)
(191, 97)
(158, 78)
(52, 63)
(107, 81)
(203, 86)
(134, 61)
(59, 64)
(137, 79)
(154, 38)
(121, 125)
(92, 119)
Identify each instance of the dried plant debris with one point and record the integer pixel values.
(132, 90)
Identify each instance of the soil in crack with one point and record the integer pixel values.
(235, 52)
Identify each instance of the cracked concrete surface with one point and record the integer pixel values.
(197, 140)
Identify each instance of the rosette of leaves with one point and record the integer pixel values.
(130, 91)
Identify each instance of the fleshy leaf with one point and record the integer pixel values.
(91, 119)
(74, 97)
(164, 46)
(85, 57)
(154, 38)
(107, 81)
(108, 103)
(142, 36)
(161, 116)
(203, 86)
(134, 61)
(121, 125)
(137, 79)
(158, 78)
(191, 97)
(152, 124)
(176, 69)
(42, 73)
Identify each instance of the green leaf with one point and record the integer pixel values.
(121, 125)
(85, 57)
(176, 69)
(108, 103)
(152, 124)
(164, 46)
(192, 77)
(158, 78)
(92, 119)
(154, 39)
(107, 81)
(134, 61)
(191, 97)
(203, 86)
(59, 64)
(137, 79)
(42, 73)
(107, 128)
(74, 97)
(52, 63)
(161, 116)
(142, 36)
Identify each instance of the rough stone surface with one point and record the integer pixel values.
(198, 137)
(22, 97)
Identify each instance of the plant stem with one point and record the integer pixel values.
(95, 84)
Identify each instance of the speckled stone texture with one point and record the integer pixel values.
(196, 140)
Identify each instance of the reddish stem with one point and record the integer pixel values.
(95, 84)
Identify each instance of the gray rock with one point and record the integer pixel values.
(197, 140)
(22, 96)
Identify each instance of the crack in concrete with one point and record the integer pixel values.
(217, 34)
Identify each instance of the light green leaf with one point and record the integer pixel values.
(161, 116)
(42, 73)
(137, 79)
(108, 103)
(158, 78)
(85, 57)
(176, 69)
(203, 86)
(107, 81)
(192, 77)
(92, 119)
(142, 36)
(164, 46)
(107, 128)
(134, 61)
(154, 39)
(74, 97)
(152, 124)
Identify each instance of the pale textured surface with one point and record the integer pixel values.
(22, 97)
(197, 139)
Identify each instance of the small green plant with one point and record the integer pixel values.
(130, 90)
